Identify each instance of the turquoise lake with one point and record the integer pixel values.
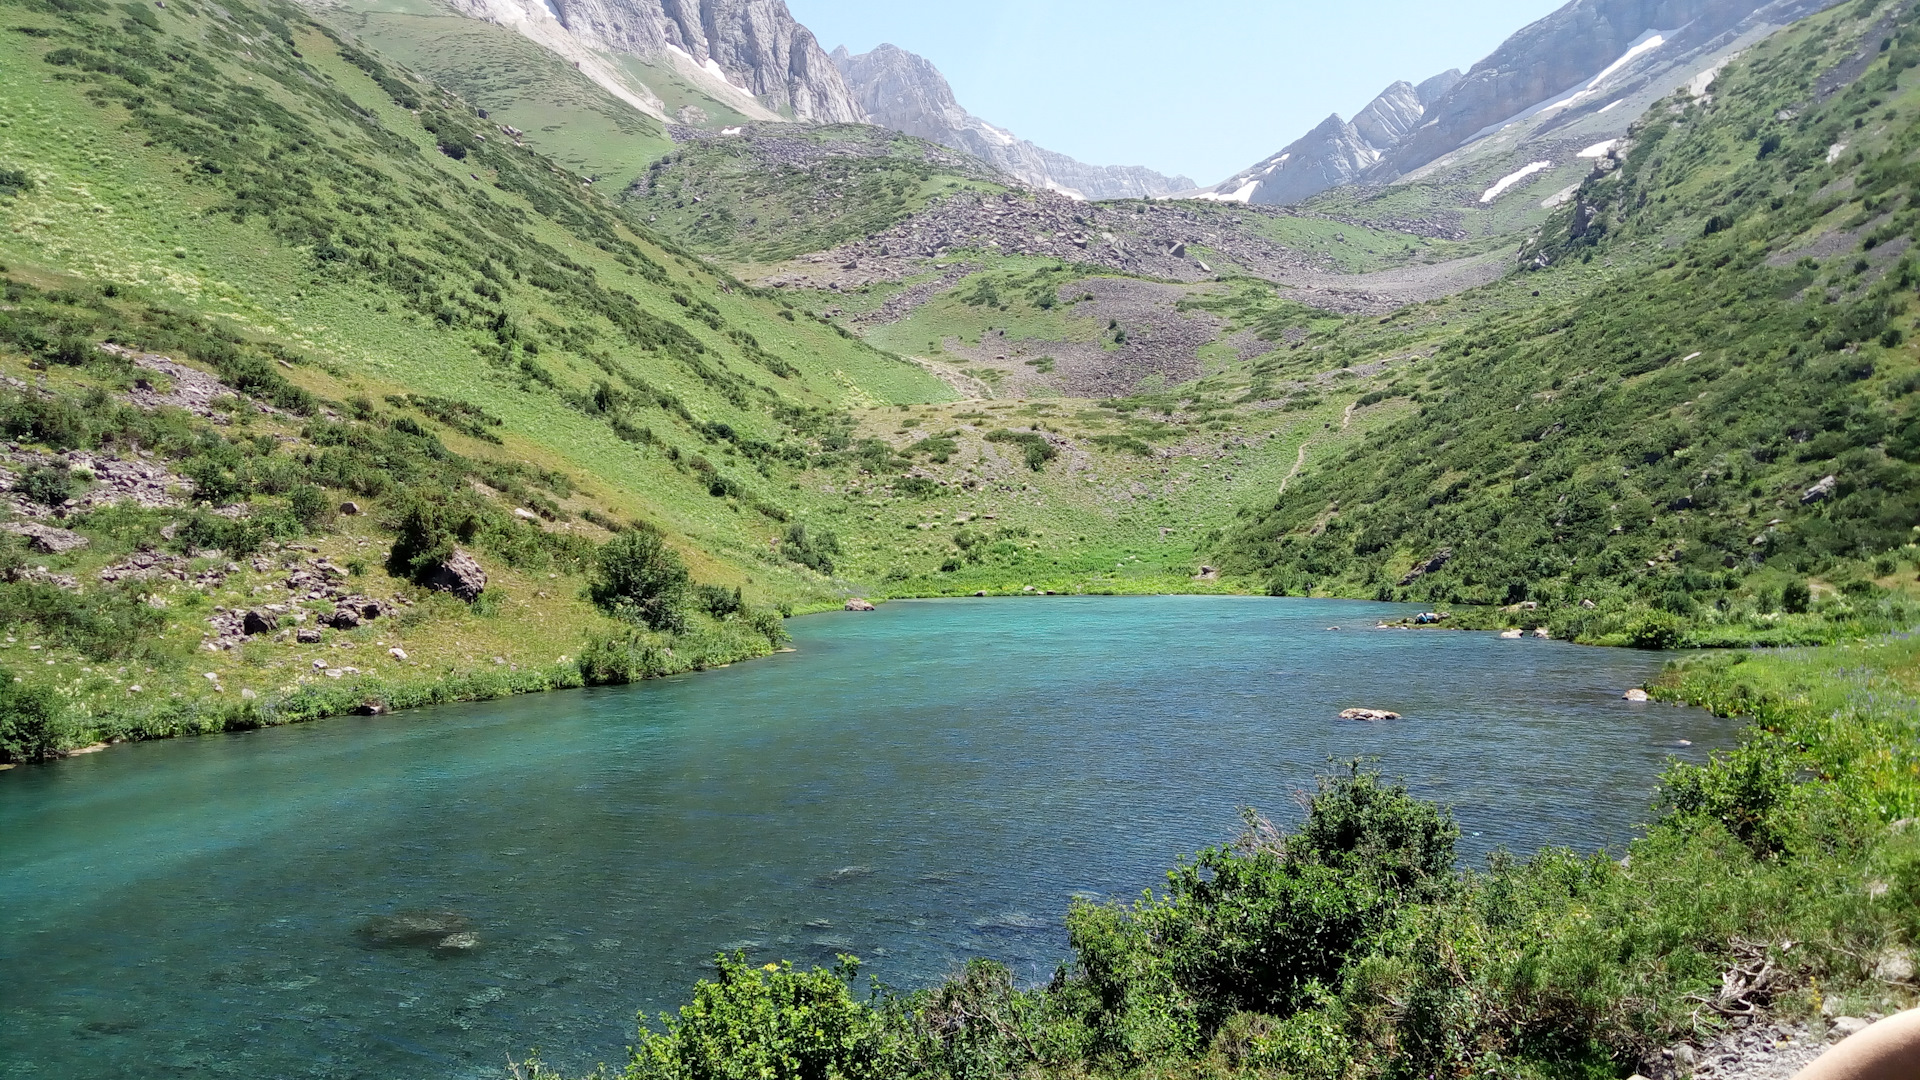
(918, 786)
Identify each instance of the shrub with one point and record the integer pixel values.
(812, 550)
(1035, 445)
(14, 181)
(767, 1023)
(1749, 791)
(1796, 598)
(718, 600)
(46, 485)
(30, 721)
(1656, 630)
(641, 579)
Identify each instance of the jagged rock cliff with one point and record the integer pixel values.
(905, 92)
(753, 47)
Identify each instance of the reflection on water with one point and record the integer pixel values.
(420, 895)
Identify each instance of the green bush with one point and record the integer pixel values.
(641, 579)
(31, 725)
(718, 600)
(814, 550)
(767, 1023)
(46, 485)
(1656, 630)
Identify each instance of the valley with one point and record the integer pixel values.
(389, 358)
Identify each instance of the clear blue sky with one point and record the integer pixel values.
(1202, 88)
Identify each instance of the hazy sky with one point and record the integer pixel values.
(1204, 89)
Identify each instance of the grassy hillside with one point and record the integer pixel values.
(239, 191)
(775, 192)
(563, 114)
(1665, 440)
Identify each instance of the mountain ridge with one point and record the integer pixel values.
(907, 93)
(1574, 64)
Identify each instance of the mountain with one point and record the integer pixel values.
(749, 52)
(1337, 152)
(905, 92)
(1574, 65)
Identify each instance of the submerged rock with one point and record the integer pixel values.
(415, 929)
(1369, 714)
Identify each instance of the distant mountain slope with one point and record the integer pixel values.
(905, 92)
(750, 54)
(1573, 65)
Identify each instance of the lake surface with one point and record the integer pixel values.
(918, 786)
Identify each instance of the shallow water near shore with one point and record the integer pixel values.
(918, 786)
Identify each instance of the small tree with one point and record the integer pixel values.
(642, 579)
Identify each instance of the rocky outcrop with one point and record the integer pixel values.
(754, 46)
(46, 539)
(460, 575)
(905, 92)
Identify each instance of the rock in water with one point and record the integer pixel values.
(1369, 714)
(857, 604)
(414, 929)
(1637, 694)
(1512, 635)
(460, 575)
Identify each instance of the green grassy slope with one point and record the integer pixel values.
(1661, 440)
(367, 237)
(564, 114)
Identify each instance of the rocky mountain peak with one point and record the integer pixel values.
(900, 90)
(756, 47)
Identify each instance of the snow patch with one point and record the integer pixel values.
(1560, 198)
(1645, 46)
(1004, 138)
(1060, 189)
(1243, 195)
(1507, 181)
(1834, 152)
(714, 69)
(1599, 149)
(731, 131)
(1610, 108)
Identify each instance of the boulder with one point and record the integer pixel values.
(1846, 1027)
(1513, 635)
(460, 575)
(307, 636)
(1819, 492)
(259, 622)
(1637, 694)
(350, 508)
(857, 604)
(1369, 714)
(343, 619)
(1440, 558)
(46, 539)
